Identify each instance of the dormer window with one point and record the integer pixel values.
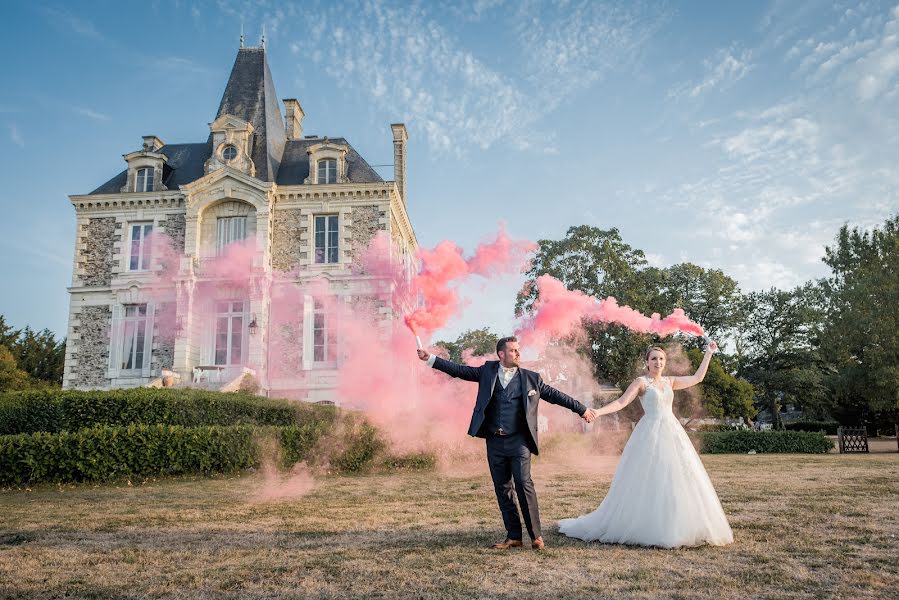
(327, 163)
(229, 153)
(144, 180)
(327, 171)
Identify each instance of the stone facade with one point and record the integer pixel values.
(163, 356)
(97, 263)
(366, 222)
(92, 332)
(174, 227)
(289, 240)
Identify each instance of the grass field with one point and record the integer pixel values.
(806, 527)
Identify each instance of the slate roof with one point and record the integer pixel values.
(295, 163)
(250, 95)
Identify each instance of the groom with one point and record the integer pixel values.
(505, 413)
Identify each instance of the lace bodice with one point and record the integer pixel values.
(658, 398)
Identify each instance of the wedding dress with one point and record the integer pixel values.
(661, 494)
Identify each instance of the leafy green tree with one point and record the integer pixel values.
(482, 342)
(724, 395)
(708, 296)
(599, 263)
(860, 339)
(8, 335)
(595, 261)
(40, 355)
(11, 376)
(780, 358)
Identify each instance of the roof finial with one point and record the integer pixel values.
(241, 33)
(263, 36)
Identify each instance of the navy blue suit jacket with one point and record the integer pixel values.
(485, 376)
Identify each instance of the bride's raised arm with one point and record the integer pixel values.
(633, 390)
(679, 383)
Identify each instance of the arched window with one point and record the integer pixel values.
(144, 180)
(327, 171)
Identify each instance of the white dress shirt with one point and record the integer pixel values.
(504, 376)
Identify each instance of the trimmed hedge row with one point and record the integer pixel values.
(106, 452)
(828, 427)
(728, 442)
(68, 410)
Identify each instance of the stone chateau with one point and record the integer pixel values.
(308, 204)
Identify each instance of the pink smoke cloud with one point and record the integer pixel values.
(559, 312)
(444, 266)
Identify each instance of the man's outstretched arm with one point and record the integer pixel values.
(554, 396)
(450, 368)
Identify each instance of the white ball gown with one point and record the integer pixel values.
(661, 494)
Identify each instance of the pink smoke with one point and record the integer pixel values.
(559, 312)
(444, 266)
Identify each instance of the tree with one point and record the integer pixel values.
(599, 263)
(724, 395)
(860, 338)
(11, 377)
(780, 358)
(38, 354)
(8, 335)
(592, 260)
(708, 296)
(481, 342)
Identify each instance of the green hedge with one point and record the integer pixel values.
(104, 453)
(69, 410)
(828, 427)
(727, 442)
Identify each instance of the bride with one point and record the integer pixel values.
(661, 494)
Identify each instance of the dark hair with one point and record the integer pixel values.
(501, 343)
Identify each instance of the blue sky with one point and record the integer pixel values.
(738, 136)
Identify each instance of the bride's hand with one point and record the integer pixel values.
(712, 347)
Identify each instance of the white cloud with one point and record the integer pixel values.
(15, 136)
(723, 70)
(760, 142)
(406, 59)
(90, 113)
(64, 19)
(763, 273)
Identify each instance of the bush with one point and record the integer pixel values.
(69, 410)
(720, 427)
(359, 444)
(726, 442)
(421, 461)
(94, 436)
(828, 427)
(104, 452)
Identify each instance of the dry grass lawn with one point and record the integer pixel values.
(806, 527)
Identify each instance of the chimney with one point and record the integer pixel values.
(399, 158)
(152, 143)
(293, 119)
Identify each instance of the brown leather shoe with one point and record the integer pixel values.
(538, 544)
(506, 544)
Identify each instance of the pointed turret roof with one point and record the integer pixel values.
(250, 95)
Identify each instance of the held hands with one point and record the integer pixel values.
(423, 354)
(589, 415)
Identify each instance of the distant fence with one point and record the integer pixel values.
(852, 439)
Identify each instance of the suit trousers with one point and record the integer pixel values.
(510, 467)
